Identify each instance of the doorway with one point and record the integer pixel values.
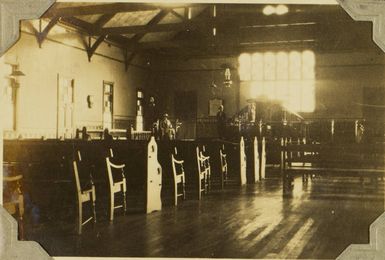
(108, 104)
(65, 108)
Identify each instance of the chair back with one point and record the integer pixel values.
(177, 166)
(76, 163)
(111, 167)
(222, 156)
(200, 160)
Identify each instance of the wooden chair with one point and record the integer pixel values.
(207, 167)
(202, 173)
(179, 178)
(84, 195)
(13, 195)
(224, 172)
(116, 186)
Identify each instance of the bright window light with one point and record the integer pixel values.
(257, 66)
(287, 77)
(245, 66)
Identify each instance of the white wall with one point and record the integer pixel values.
(65, 56)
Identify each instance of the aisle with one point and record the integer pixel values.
(255, 221)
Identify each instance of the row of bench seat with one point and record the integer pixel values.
(355, 159)
(57, 173)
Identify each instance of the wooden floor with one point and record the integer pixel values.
(255, 221)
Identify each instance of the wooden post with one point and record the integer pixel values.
(263, 159)
(242, 161)
(1, 152)
(154, 178)
(257, 176)
(281, 161)
(332, 130)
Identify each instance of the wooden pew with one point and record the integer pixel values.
(49, 182)
(187, 152)
(45, 179)
(256, 160)
(236, 159)
(363, 160)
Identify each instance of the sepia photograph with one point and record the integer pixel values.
(192, 129)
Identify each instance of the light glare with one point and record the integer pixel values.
(281, 9)
(268, 10)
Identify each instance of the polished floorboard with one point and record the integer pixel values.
(317, 221)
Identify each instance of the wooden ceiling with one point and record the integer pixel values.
(187, 29)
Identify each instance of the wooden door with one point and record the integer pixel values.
(65, 108)
(108, 104)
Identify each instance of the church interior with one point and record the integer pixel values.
(213, 130)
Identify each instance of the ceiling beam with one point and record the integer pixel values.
(112, 8)
(92, 48)
(226, 21)
(88, 28)
(140, 29)
(77, 24)
(181, 17)
(104, 19)
(153, 22)
(234, 41)
(42, 35)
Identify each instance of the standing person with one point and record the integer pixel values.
(221, 122)
(85, 135)
(167, 131)
(151, 114)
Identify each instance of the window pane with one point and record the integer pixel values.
(282, 76)
(282, 65)
(269, 66)
(308, 62)
(294, 102)
(269, 90)
(295, 65)
(257, 66)
(282, 90)
(308, 96)
(256, 89)
(245, 66)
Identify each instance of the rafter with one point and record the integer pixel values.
(154, 21)
(92, 48)
(181, 17)
(112, 8)
(224, 21)
(143, 29)
(78, 24)
(103, 20)
(42, 35)
(128, 59)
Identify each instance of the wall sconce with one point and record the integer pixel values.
(90, 101)
(15, 71)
